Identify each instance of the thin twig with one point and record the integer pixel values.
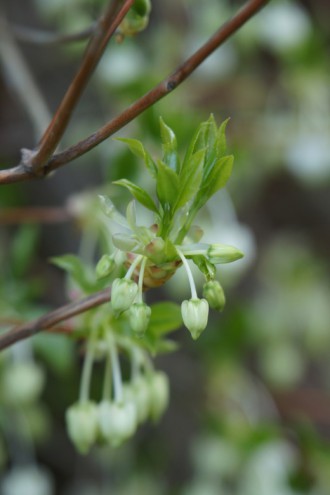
(21, 79)
(19, 173)
(51, 319)
(107, 25)
(39, 37)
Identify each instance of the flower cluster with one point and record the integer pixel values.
(123, 407)
(143, 257)
(153, 254)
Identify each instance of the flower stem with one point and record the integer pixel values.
(87, 367)
(189, 274)
(131, 269)
(141, 277)
(116, 372)
(107, 383)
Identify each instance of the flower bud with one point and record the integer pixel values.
(105, 266)
(214, 294)
(221, 253)
(123, 293)
(138, 392)
(139, 316)
(117, 421)
(159, 394)
(155, 250)
(195, 314)
(82, 425)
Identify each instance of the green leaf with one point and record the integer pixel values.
(216, 179)
(190, 179)
(138, 149)
(221, 142)
(167, 185)
(204, 138)
(139, 194)
(165, 317)
(170, 155)
(205, 266)
(80, 273)
(219, 175)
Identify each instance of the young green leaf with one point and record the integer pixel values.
(170, 155)
(139, 194)
(167, 185)
(204, 138)
(205, 266)
(138, 149)
(221, 143)
(216, 179)
(190, 179)
(219, 175)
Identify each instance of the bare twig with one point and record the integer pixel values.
(51, 319)
(107, 25)
(19, 173)
(21, 80)
(39, 37)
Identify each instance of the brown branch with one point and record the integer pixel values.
(34, 215)
(107, 25)
(19, 173)
(51, 319)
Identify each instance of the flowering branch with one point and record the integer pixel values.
(23, 171)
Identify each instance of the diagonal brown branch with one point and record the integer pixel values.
(19, 173)
(51, 319)
(107, 25)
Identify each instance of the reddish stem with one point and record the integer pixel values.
(105, 29)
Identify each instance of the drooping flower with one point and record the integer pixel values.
(195, 314)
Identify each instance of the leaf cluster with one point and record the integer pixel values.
(182, 186)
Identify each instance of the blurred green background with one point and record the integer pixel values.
(250, 401)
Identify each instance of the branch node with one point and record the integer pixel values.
(27, 157)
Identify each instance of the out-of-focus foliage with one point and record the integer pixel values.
(249, 409)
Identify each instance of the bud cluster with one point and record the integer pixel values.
(111, 422)
(123, 406)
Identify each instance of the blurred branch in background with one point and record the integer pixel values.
(38, 37)
(20, 79)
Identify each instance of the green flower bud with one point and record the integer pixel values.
(123, 293)
(105, 266)
(214, 294)
(139, 317)
(159, 394)
(195, 314)
(221, 253)
(82, 425)
(136, 19)
(138, 392)
(155, 250)
(22, 382)
(117, 422)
